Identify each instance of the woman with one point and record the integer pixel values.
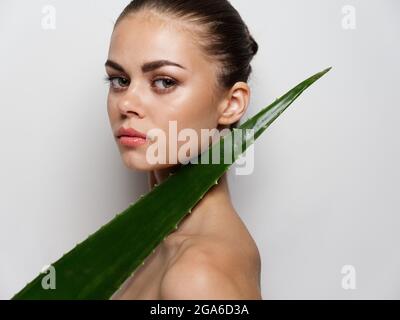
(186, 61)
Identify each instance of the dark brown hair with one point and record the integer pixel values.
(224, 35)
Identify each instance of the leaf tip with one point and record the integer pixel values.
(326, 70)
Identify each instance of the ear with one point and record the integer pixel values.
(235, 104)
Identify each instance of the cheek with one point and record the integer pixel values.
(193, 109)
(189, 115)
(193, 113)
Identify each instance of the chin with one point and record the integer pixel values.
(139, 162)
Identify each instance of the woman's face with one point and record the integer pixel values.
(144, 96)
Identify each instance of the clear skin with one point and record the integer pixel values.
(211, 255)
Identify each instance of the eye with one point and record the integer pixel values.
(117, 82)
(165, 84)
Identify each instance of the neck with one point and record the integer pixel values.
(214, 201)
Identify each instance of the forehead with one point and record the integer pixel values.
(146, 37)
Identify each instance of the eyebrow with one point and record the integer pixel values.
(146, 67)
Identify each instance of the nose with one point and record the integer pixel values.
(129, 105)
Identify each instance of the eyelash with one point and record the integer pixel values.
(110, 79)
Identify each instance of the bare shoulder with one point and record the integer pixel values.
(211, 269)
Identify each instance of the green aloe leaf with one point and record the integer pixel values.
(98, 266)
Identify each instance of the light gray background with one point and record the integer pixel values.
(324, 192)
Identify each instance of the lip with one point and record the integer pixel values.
(130, 137)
